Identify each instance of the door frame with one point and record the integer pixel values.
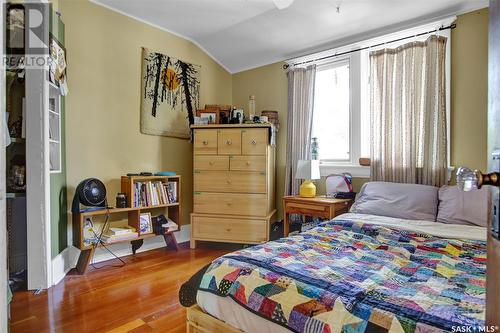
(493, 257)
(39, 258)
(3, 192)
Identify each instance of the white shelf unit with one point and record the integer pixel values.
(54, 110)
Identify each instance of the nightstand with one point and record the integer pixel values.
(320, 206)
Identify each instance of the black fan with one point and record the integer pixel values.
(91, 192)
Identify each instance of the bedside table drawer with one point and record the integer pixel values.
(229, 229)
(307, 209)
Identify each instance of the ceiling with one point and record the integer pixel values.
(243, 34)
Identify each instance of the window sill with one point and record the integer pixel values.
(355, 170)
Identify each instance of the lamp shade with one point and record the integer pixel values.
(307, 169)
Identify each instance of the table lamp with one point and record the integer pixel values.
(307, 170)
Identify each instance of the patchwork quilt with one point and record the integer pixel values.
(347, 276)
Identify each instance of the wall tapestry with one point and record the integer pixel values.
(170, 95)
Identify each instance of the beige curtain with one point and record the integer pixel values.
(408, 113)
(299, 122)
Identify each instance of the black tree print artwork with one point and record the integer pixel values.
(169, 86)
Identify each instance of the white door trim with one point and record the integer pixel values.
(67, 259)
(63, 262)
(37, 174)
(3, 218)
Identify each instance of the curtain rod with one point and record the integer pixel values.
(450, 27)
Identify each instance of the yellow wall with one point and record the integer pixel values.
(269, 85)
(104, 57)
(104, 75)
(468, 92)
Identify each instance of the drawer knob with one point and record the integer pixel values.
(228, 229)
(205, 142)
(229, 204)
(248, 163)
(229, 142)
(211, 163)
(229, 181)
(254, 142)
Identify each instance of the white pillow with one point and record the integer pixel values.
(459, 207)
(405, 201)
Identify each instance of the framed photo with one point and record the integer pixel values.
(238, 113)
(57, 62)
(145, 224)
(209, 116)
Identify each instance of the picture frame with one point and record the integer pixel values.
(238, 113)
(145, 224)
(212, 116)
(57, 62)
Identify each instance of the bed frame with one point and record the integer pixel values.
(199, 321)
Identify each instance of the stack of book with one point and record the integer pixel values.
(170, 225)
(116, 234)
(154, 193)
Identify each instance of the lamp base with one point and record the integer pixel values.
(307, 189)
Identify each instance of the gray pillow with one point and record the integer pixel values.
(459, 207)
(405, 201)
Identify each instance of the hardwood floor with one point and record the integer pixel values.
(140, 297)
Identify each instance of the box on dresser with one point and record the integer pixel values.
(234, 175)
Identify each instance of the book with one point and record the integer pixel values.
(120, 230)
(170, 225)
(154, 193)
(107, 238)
(172, 191)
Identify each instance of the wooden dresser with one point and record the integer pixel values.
(233, 199)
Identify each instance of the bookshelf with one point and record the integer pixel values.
(54, 108)
(129, 216)
(130, 183)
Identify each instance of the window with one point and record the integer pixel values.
(338, 118)
(332, 111)
(341, 119)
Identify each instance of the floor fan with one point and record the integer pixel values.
(90, 193)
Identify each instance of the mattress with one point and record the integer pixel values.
(255, 305)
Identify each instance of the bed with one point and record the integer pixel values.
(356, 273)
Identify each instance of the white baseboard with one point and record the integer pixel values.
(125, 249)
(68, 258)
(63, 262)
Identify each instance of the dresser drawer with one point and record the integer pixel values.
(229, 142)
(205, 141)
(211, 162)
(307, 209)
(230, 203)
(229, 229)
(248, 163)
(229, 181)
(254, 141)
